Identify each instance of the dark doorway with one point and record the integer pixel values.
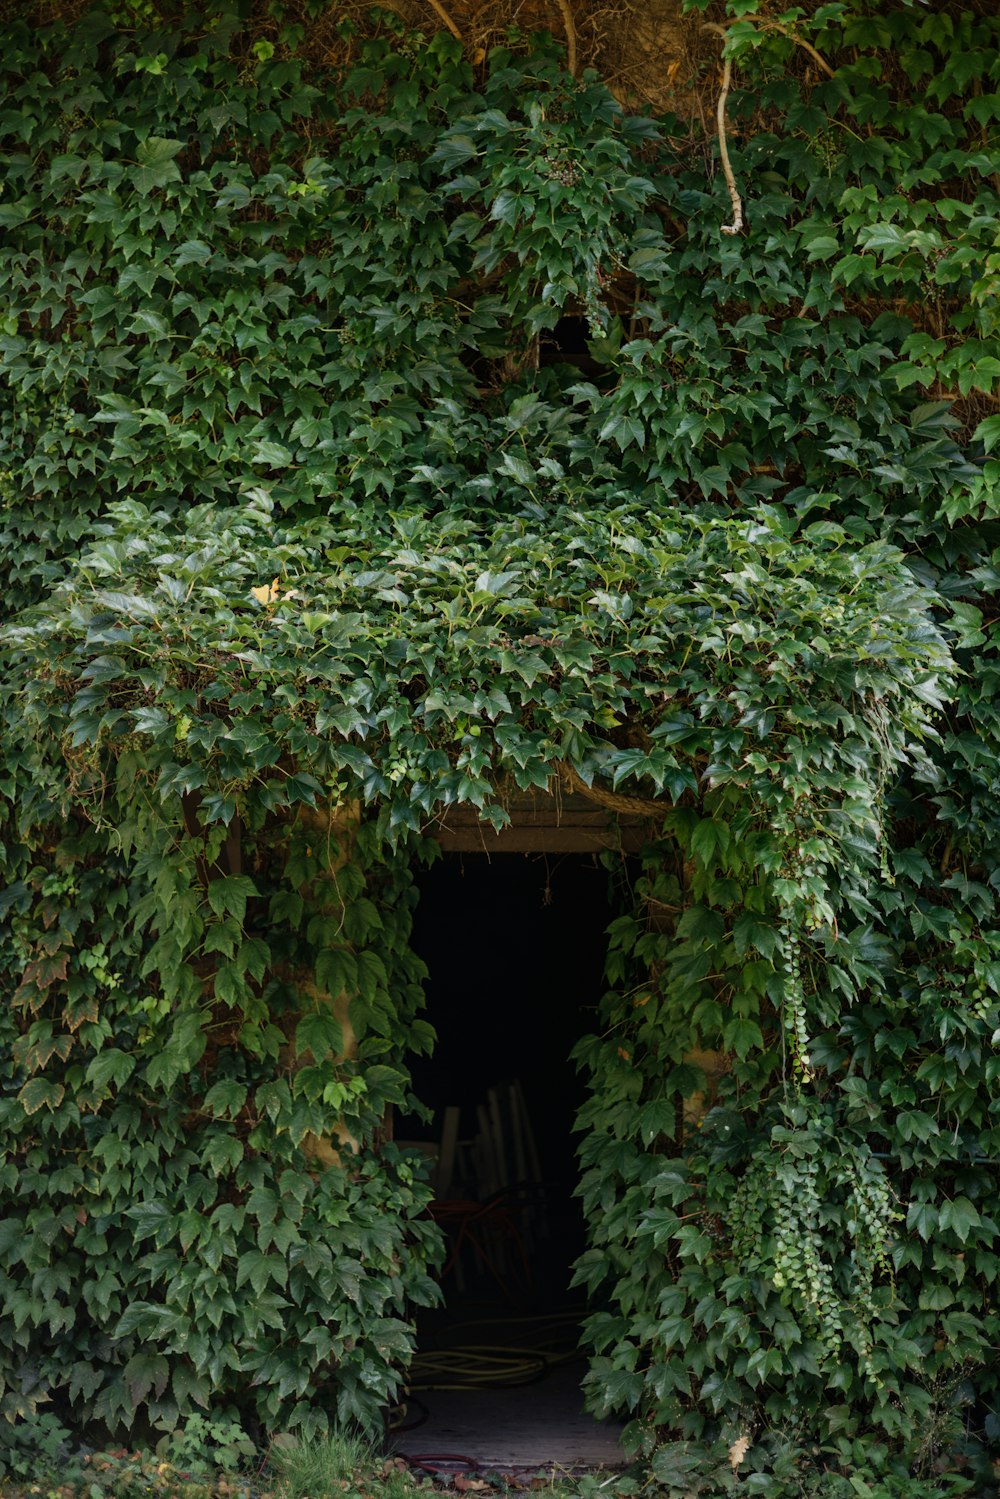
(515, 948)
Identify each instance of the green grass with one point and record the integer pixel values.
(317, 1468)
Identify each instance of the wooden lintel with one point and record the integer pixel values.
(540, 822)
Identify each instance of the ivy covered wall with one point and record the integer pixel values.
(389, 435)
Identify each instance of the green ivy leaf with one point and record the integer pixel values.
(226, 1097)
(110, 1066)
(959, 1215)
(41, 1093)
(319, 1034)
(143, 1373)
(742, 1036)
(156, 164)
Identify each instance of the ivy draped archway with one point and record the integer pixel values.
(756, 681)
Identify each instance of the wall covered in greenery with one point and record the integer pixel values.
(392, 434)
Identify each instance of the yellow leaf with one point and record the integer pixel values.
(268, 594)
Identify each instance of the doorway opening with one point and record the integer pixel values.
(515, 948)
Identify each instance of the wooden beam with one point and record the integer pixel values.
(540, 822)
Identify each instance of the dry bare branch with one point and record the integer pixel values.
(800, 42)
(446, 18)
(567, 16)
(720, 114)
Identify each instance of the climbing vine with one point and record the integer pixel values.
(777, 1218)
(405, 430)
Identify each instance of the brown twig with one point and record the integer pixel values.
(800, 42)
(446, 18)
(613, 801)
(567, 16)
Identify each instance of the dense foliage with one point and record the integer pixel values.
(384, 438)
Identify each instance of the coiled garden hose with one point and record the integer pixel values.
(463, 1364)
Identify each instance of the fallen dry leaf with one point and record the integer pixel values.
(738, 1452)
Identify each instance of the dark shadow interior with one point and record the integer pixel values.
(515, 948)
